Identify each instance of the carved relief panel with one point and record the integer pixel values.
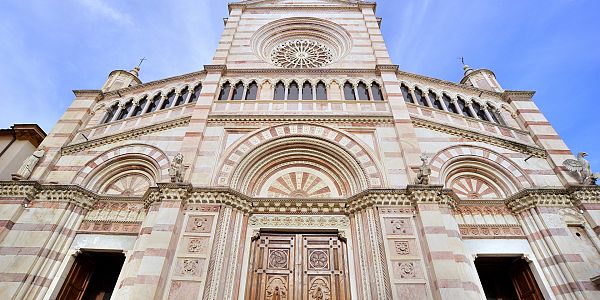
(405, 260)
(298, 266)
(188, 276)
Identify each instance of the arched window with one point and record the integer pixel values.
(154, 104)
(125, 110)
(169, 100)
(183, 97)
(238, 92)
(349, 91)
(363, 92)
(462, 104)
(140, 107)
(376, 91)
(420, 97)
(433, 98)
(496, 115)
(293, 91)
(110, 113)
(251, 91)
(307, 91)
(406, 94)
(321, 91)
(449, 104)
(224, 94)
(196, 94)
(279, 91)
(479, 111)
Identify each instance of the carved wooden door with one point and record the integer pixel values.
(524, 282)
(298, 266)
(78, 278)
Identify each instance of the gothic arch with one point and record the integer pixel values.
(331, 163)
(137, 165)
(480, 171)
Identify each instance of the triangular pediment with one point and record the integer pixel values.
(301, 2)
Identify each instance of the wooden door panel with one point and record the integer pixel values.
(78, 278)
(524, 282)
(298, 266)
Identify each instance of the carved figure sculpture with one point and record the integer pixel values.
(582, 168)
(424, 171)
(27, 168)
(176, 168)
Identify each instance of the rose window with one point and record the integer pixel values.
(301, 54)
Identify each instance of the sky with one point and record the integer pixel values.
(49, 48)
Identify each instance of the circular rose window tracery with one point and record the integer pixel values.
(301, 54)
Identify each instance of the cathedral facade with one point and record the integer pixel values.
(301, 163)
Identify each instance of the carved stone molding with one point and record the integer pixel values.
(538, 197)
(496, 231)
(585, 195)
(276, 119)
(291, 221)
(479, 137)
(130, 134)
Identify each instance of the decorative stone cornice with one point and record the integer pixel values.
(26, 190)
(479, 137)
(32, 191)
(585, 195)
(389, 68)
(506, 95)
(537, 198)
(130, 134)
(286, 71)
(299, 119)
(339, 222)
(218, 68)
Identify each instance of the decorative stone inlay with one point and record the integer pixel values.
(341, 222)
(198, 245)
(301, 53)
(402, 247)
(278, 258)
(318, 259)
(190, 267)
(202, 224)
(127, 186)
(406, 270)
(399, 226)
(299, 184)
(469, 187)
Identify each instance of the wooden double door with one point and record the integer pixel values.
(307, 266)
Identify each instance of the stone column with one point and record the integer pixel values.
(563, 263)
(154, 250)
(452, 272)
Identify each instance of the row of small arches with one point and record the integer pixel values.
(305, 90)
(146, 104)
(458, 105)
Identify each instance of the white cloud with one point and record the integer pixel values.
(101, 8)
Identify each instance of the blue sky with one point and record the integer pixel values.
(49, 48)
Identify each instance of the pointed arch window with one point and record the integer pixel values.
(307, 93)
(183, 97)
(321, 91)
(420, 97)
(225, 89)
(110, 114)
(293, 91)
(376, 91)
(479, 111)
(154, 104)
(462, 104)
(169, 100)
(449, 104)
(125, 110)
(196, 93)
(252, 91)
(433, 98)
(406, 94)
(349, 91)
(140, 107)
(279, 91)
(363, 91)
(238, 91)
